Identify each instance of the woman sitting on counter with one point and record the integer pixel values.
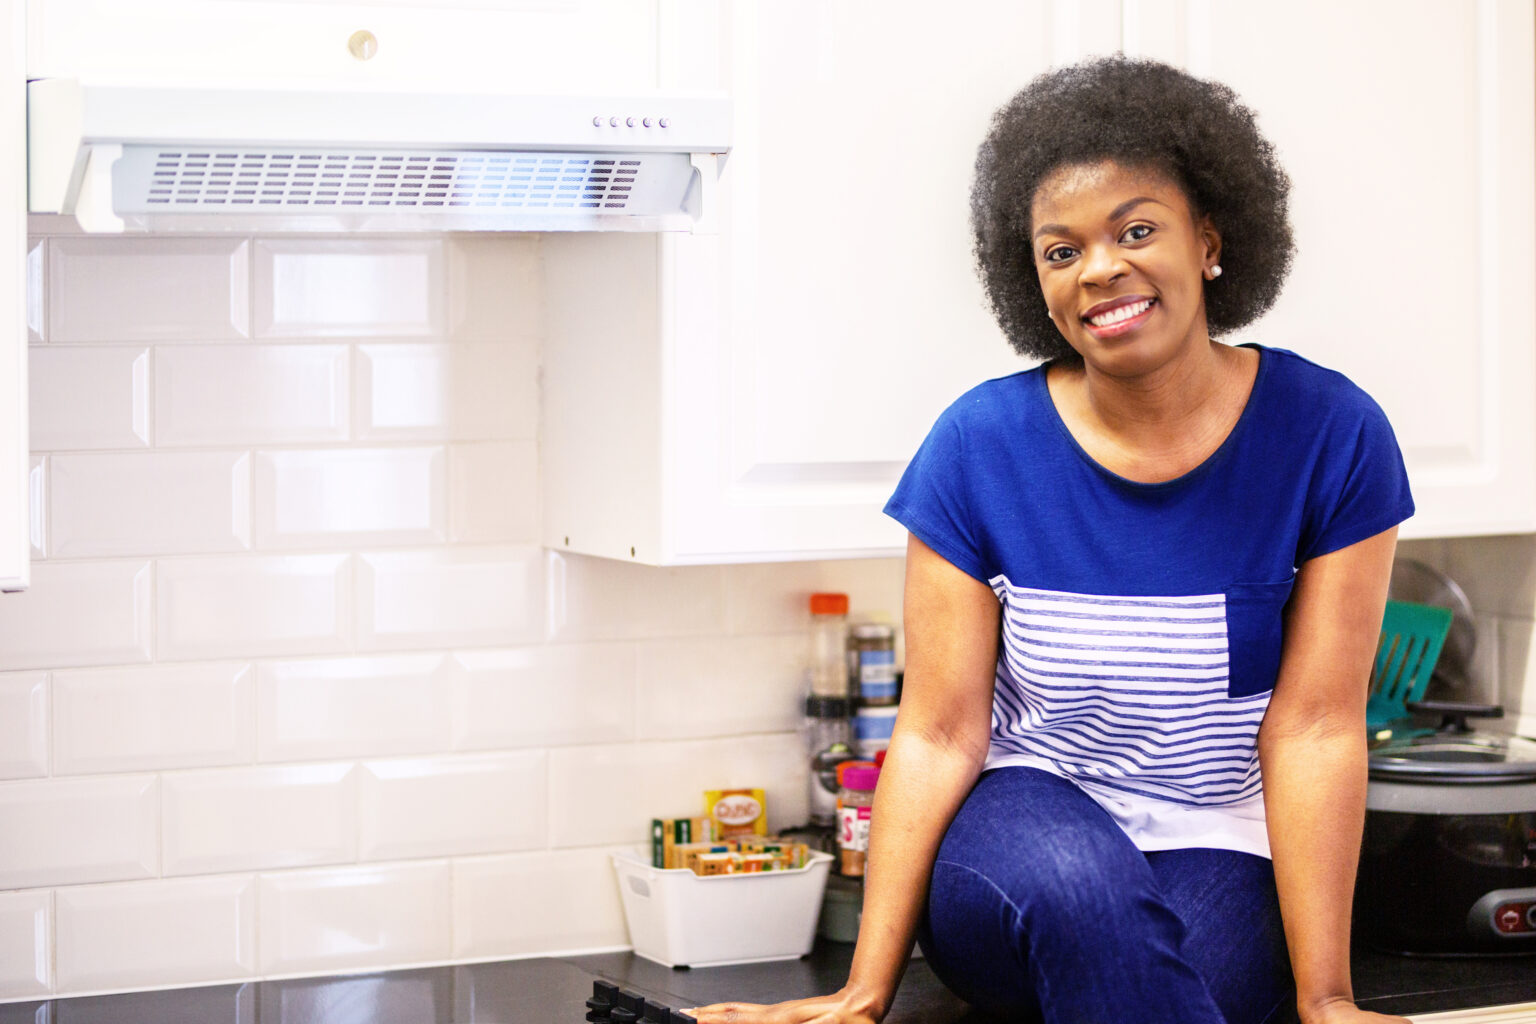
(1144, 586)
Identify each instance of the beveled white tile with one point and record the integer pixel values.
(536, 903)
(63, 831)
(547, 695)
(669, 780)
(480, 596)
(495, 288)
(351, 496)
(459, 392)
(87, 396)
(253, 606)
(138, 934)
(333, 287)
(37, 506)
(355, 917)
(600, 599)
(23, 725)
(1516, 689)
(1497, 573)
(26, 944)
(720, 686)
(446, 806)
(36, 282)
(243, 819)
(493, 492)
(140, 288)
(250, 394)
(350, 707)
(774, 597)
(78, 613)
(153, 717)
(150, 503)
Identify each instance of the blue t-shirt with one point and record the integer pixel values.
(1141, 623)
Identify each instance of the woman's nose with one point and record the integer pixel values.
(1101, 265)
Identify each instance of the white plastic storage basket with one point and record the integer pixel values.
(679, 919)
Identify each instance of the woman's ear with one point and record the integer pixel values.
(1211, 238)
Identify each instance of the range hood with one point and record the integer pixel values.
(138, 157)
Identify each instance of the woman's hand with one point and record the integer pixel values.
(1344, 1011)
(839, 1008)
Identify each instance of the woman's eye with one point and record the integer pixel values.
(1136, 232)
(1058, 253)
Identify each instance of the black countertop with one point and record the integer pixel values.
(550, 990)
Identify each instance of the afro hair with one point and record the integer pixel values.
(1138, 113)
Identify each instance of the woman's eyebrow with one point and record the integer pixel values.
(1115, 214)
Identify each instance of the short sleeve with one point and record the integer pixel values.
(931, 499)
(1364, 487)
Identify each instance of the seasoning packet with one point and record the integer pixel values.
(667, 833)
(737, 812)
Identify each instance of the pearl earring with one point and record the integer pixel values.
(1215, 271)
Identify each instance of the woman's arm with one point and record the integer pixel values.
(937, 750)
(1312, 750)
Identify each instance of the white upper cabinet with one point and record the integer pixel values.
(1409, 143)
(15, 567)
(586, 47)
(774, 379)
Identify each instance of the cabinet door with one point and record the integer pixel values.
(580, 46)
(14, 548)
(850, 311)
(1410, 148)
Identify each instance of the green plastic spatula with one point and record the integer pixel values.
(1411, 638)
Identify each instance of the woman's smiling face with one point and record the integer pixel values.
(1122, 262)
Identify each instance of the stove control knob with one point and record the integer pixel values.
(627, 1007)
(598, 1007)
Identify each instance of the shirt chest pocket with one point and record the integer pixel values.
(1254, 635)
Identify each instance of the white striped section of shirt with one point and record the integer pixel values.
(1129, 692)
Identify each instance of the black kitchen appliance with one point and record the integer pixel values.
(1448, 862)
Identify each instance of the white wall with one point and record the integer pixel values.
(294, 689)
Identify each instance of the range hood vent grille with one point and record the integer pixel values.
(153, 179)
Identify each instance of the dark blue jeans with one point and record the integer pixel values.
(1041, 909)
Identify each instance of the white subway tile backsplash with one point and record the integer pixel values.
(600, 599)
(252, 606)
(667, 780)
(351, 707)
(36, 281)
(774, 597)
(250, 394)
(547, 695)
(456, 392)
(138, 288)
(349, 287)
(353, 917)
(496, 289)
(310, 499)
(243, 819)
(721, 686)
(37, 507)
(87, 396)
(446, 806)
(23, 725)
(78, 613)
(26, 944)
(153, 717)
(150, 503)
(449, 597)
(493, 492)
(531, 903)
(137, 934)
(63, 831)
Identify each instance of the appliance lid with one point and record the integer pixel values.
(1469, 758)
(274, 157)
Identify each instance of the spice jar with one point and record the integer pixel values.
(872, 649)
(828, 657)
(855, 801)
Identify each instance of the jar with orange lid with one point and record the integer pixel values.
(829, 645)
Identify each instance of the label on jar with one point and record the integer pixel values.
(853, 828)
(877, 674)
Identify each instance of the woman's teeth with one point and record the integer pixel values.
(1120, 313)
